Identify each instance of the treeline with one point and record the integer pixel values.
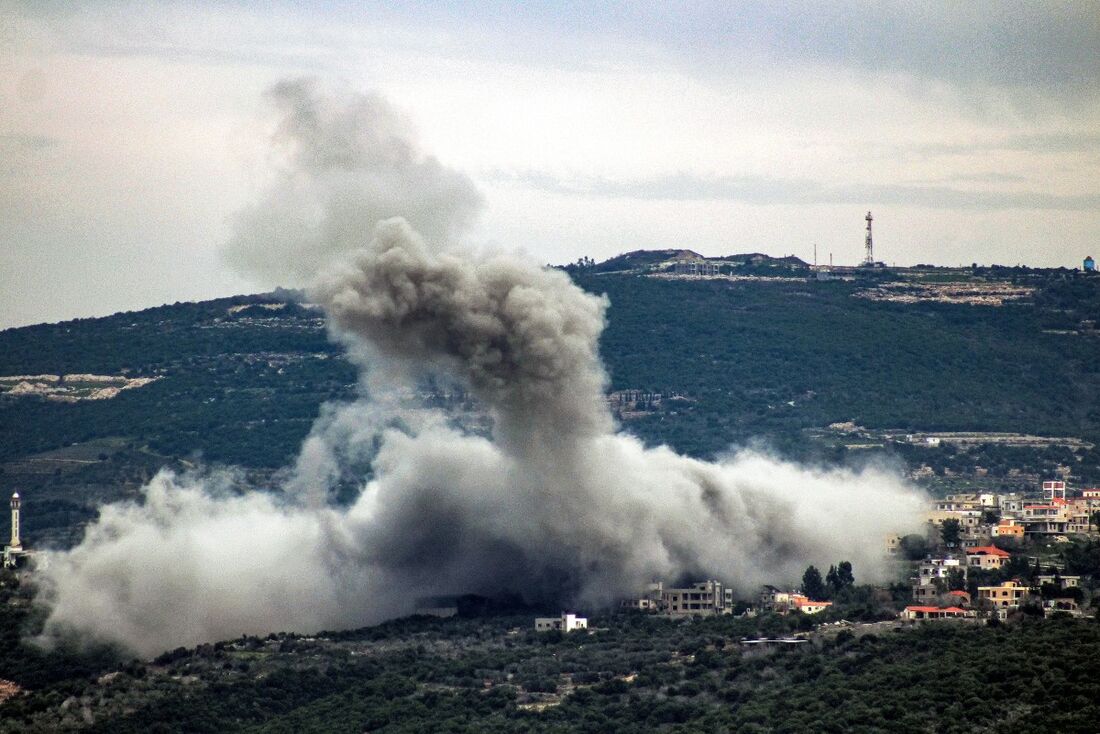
(636, 673)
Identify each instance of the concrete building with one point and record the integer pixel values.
(702, 268)
(649, 601)
(930, 583)
(704, 599)
(1054, 490)
(1066, 582)
(565, 623)
(1008, 528)
(987, 557)
(1006, 596)
(1046, 519)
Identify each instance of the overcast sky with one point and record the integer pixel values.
(131, 134)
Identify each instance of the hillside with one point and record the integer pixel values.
(717, 361)
(632, 673)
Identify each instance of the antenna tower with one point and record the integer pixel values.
(869, 259)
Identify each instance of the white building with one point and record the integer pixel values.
(564, 623)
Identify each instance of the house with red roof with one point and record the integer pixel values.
(959, 596)
(987, 557)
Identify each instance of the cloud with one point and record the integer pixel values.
(765, 190)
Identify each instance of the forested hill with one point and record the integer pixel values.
(778, 356)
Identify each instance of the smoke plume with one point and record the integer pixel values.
(349, 163)
(552, 501)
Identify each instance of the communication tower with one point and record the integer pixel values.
(869, 259)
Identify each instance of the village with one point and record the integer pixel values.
(981, 557)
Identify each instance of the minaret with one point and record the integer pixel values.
(870, 259)
(15, 542)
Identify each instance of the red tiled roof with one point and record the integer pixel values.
(988, 550)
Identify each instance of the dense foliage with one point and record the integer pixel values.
(634, 673)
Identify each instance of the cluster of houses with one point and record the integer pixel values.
(981, 519)
(939, 584)
(985, 516)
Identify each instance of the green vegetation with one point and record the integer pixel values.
(754, 360)
(636, 672)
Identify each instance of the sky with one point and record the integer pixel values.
(133, 135)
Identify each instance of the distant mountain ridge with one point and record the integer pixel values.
(639, 260)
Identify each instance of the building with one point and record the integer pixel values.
(649, 601)
(806, 605)
(1054, 490)
(1012, 505)
(1006, 596)
(916, 613)
(932, 577)
(1046, 519)
(1006, 528)
(1089, 265)
(959, 597)
(1066, 582)
(564, 623)
(987, 557)
(702, 268)
(703, 599)
(785, 602)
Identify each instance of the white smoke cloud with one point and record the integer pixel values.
(552, 502)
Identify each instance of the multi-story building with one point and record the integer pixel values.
(1046, 519)
(987, 557)
(1006, 596)
(705, 598)
(932, 574)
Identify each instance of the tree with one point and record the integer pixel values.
(812, 585)
(914, 547)
(844, 573)
(832, 581)
(956, 579)
(949, 531)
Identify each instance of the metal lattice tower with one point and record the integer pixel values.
(869, 259)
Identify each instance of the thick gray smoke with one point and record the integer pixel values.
(350, 162)
(553, 502)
